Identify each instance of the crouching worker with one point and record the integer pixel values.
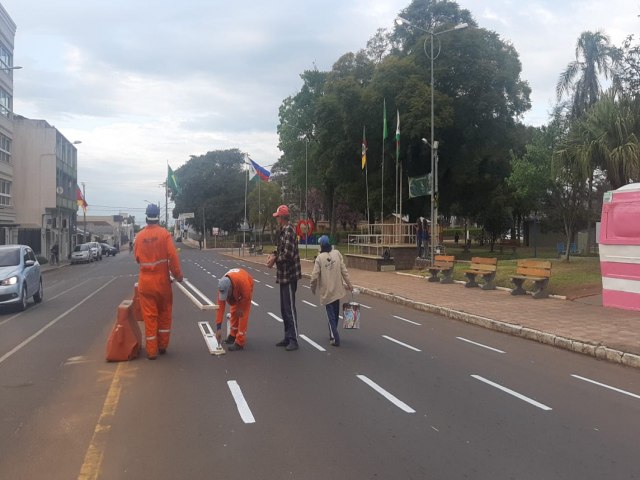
(236, 289)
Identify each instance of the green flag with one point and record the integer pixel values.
(172, 183)
(419, 186)
(385, 133)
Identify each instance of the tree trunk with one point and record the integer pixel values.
(589, 214)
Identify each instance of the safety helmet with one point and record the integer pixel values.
(153, 212)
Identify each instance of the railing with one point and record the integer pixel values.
(375, 239)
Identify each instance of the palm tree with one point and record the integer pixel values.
(595, 57)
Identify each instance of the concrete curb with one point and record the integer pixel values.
(601, 352)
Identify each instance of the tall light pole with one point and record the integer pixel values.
(433, 146)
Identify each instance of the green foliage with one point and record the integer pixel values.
(268, 197)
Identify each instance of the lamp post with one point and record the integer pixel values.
(433, 146)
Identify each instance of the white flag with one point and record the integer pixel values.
(252, 171)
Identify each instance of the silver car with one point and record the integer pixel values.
(82, 253)
(20, 277)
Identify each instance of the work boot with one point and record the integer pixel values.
(152, 357)
(162, 351)
(230, 340)
(282, 343)
(234, 347)
(292, 346)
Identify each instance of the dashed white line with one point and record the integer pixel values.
(241, 403)
(480, 345)
(606, 386)
(401, 343)
(309, 303)
(256, 280)
(275, 316)
(254, 303)
(311, 342)
(512, 392)
(268, 285)
(307, 286)
(392, 398)
(405, 320)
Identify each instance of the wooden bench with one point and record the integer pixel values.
(484, 267)
(538, 271)
(442, 264)
(513, 244)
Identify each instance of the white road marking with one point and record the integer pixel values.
(401, 343)
(393, 399)
(480, 345)
(276, 317)
(405, 320)
(257, 281)
(307, 286)
(51, 323)
(254, 303)
(365, 306)
(309, 303)
(311, 342)
(241, 403)
(512, 392)
(268, 285)
(606, 386)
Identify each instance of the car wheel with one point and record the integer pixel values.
(39, 295)
(22, 306)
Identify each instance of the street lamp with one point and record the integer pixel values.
(433, 144)
(10, 68)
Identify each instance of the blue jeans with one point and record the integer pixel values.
(333, 312)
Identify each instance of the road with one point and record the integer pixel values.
(408, 396)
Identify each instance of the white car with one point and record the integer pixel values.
(96, 250)
(82, 253)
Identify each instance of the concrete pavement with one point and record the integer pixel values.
(604, 333)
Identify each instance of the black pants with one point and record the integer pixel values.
(288, 310)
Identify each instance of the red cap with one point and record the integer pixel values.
(283, 211)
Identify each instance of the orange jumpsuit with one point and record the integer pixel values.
(240, 301)
(157, 256)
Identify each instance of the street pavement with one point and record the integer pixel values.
(584, 327)
(411, 395)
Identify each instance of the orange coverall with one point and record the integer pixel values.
(240, 301)
(157, 256)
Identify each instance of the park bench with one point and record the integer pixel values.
(538, 271)
(513, 244)
(484, 267)
(442, 264)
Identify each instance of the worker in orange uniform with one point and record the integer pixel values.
(157, 256)
(236, 289)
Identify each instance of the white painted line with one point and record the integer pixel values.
(511, 392)
(268, 285)
(311, 342)
(606, 386)
(213, 276)
(196, 302)
(365, 306)
(276, 317)
(209, 337)
(309, 303)
(401, 343)
(405, 320)
(340, 317)
(198, 292)
(51, 323)
(307, 286)
(480, 345)
(241, 403)
(254, 303)
(397, 402)
(256, 280)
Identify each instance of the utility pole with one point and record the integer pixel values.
(84, 214)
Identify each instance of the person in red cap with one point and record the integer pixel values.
(287, 261)
(236, 289)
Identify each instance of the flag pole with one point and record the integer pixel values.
(384, 137)
(244, 222)
(166, 199)
(259, 207)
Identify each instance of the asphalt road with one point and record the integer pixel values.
(408, 396)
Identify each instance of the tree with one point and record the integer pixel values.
(268, 202)
(627, 72)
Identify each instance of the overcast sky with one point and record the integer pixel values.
(143, 82)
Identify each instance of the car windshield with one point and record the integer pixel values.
(9, 257)
(80, 248)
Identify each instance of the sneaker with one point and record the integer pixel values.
(282, 343)
(233, 347)
(162, 351)
(334, 343)
(151, 357)
(230, 340)
(291, 346)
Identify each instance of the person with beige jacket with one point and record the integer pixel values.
(329, 271)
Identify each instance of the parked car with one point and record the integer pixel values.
(20, 276)
(96, 250)
(108, 250)
(82, 253)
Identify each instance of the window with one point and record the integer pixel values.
(5, 149)
(6, 58)
(5, 192)
(5, 103)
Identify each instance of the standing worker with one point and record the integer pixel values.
(287, 261)
(157, 256)
(328, 273)
(236, 289)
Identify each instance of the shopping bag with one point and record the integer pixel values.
(351, 315)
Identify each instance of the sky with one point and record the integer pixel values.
(145, 82)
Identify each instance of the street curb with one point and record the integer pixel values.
(601, 352)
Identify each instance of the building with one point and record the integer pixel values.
(8, 227)
(111, 229)
(45, 183)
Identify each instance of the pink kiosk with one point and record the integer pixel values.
(620, 248)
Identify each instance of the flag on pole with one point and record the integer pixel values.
(364, 148)
(82, 203)
(255, 169)
(419, 186)
(398, 137)
(385, 133)
(172, 182)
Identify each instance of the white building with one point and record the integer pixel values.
(8, 227)
(45, 183)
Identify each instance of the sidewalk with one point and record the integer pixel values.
(605, 333)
